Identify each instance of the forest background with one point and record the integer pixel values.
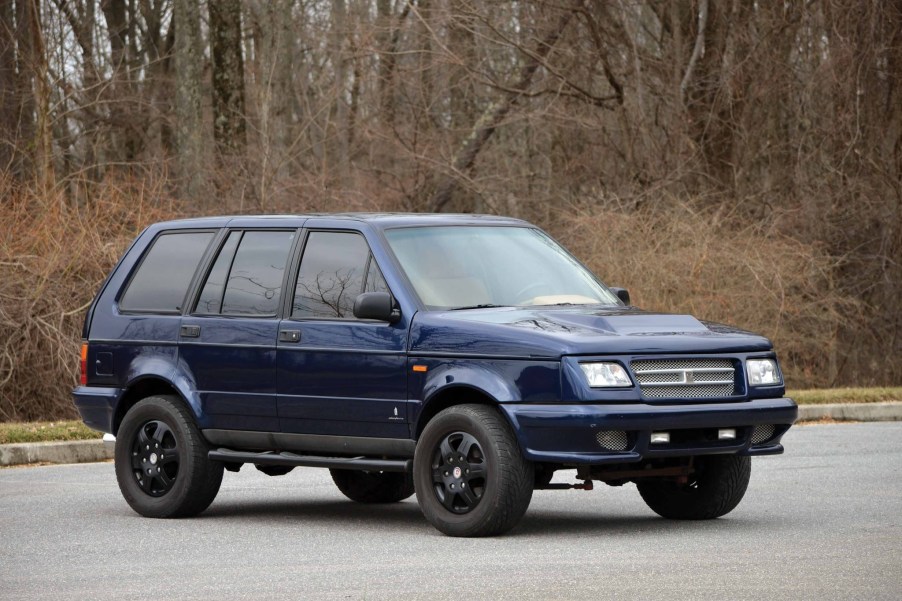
(738, 160)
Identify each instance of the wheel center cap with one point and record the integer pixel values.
(457, 472)
(153, 458)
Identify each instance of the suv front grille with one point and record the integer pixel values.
(685, 378)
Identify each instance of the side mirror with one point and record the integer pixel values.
(623, 294)
(376, 305)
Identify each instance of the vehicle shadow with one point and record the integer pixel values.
(542, 524)
(339, 515)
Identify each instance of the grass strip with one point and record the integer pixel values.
(845, 395)
(46, 431)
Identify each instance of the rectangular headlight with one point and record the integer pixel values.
(763, 372)
(606, 375)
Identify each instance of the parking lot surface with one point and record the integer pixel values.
(823, 521)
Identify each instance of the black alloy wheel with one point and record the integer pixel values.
(470, 476)
(459, 472)
(155, 458)
(162, 463)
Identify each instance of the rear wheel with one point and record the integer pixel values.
(470, 476)
(715, 489)
(161, 460)
(373, 487)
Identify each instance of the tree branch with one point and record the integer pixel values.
(492, 117)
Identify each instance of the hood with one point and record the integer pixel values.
(550, 332)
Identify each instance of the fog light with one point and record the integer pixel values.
(726, 434)
(660, 437)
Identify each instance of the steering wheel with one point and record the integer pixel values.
(526, 291)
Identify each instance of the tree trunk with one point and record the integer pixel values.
(189, 126)
(123, 110)
(388, 59)
(228, 77)
(8, 102)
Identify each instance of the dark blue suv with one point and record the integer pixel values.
(463, 357)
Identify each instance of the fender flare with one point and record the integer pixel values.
(478, 378)
(165, 371)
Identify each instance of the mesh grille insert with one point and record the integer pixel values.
(685, 378)
(762, 433)
(612, 440)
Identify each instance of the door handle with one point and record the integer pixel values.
(189, 331)
(289, 335)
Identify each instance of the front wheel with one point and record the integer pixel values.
(470, 476)
(161, 460)
(715, 489)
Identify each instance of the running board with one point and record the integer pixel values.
(286, 458)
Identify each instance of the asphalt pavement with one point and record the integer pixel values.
(823, 521)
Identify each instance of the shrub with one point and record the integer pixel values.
(680, 260)
(53, 258)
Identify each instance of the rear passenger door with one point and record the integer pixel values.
(143, 325)
(338, 375)
(228, 341)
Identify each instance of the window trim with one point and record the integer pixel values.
(208, 269)
(296, 269)
(211, 261)
(146, 253)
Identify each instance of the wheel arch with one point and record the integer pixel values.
(449, 396)
(463, 383)
(141, 388)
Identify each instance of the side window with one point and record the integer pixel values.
(374, 280)
(335, 268)
(210, 300)
(246, 278)
(165, 273)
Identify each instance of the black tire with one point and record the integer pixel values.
(543, 475)
(470, 476)
(161, 460)
(275, 470)
(716, 488)
(373, 487)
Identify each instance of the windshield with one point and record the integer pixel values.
(458, 267)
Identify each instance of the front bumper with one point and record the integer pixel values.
(566, 434)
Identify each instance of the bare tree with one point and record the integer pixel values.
(228, 76)
(189, 124)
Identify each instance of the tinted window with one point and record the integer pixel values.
(331, 276)
(210, 300)
(254, 284)
(165, 273)
(374, 280)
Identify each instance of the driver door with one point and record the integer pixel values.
(338, 375)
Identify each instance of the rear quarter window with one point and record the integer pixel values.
(164, 274)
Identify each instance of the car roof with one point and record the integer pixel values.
(379, 220)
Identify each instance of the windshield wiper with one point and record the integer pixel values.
(482, 306)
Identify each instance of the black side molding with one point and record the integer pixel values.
(318, 444)
(286, 458)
